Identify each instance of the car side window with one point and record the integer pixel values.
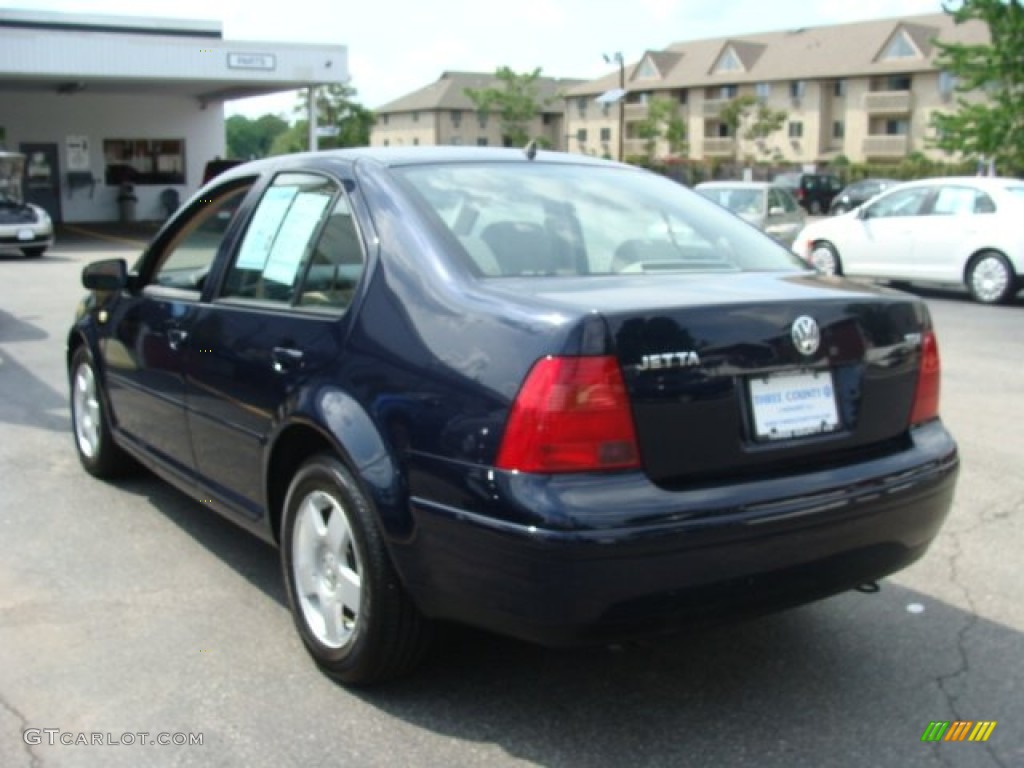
(906, 202)
(279, 241)
(952, 201)
(789, 203)
(186, 260)
(336, 263)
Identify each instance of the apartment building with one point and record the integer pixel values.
(442, 113)
(864, 90)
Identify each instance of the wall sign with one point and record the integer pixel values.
(265, 61)
(78, 153)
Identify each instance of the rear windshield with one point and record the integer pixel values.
(516, 219)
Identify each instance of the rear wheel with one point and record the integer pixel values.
(825, 259)
(97, 450)
(350, 608)
(991, 279)
(33, 253)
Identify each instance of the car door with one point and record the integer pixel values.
(958, 217)
(277, 322)
(880, 241)
(143, 356)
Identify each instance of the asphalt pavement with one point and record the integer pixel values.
(128, 609)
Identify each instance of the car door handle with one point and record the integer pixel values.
(176, 337)
(286, 359)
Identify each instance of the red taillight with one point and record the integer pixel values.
(572, 414)
(926, 397)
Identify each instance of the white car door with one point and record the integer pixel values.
(881, 239)
(943, 242)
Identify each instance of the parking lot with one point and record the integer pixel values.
(132, 609)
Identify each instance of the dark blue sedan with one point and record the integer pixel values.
(554, 397)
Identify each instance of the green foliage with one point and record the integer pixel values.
(335, 107)
(515, 100)
(993, 128)
(749, 119)
(249, 139)
(662, 121)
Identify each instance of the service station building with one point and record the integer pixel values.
(102, 105)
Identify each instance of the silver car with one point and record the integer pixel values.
(22, 225)
(771, 209)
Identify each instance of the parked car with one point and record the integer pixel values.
(814, 191)
(858, 193)
(555, 397)
(769, 208)
(956, 231)
(24, 226)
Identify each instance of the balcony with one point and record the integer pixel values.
(713, 107)
(723, 146)
(886, 146)
(635, 147)
(636, 111)
(888, 102)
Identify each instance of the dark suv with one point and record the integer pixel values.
(814, 191)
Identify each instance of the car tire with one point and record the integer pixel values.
(351, 610)
(991, 279)
(825, 258)
(97, 451)
(33, 253)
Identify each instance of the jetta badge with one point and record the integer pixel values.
(806, 336)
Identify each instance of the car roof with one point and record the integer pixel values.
(985, 182)
(737, 185)
(408, 156)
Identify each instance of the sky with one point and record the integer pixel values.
(399, 46)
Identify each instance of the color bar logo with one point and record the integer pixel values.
(958, 730)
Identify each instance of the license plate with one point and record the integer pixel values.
(789, 405)
(26, 234)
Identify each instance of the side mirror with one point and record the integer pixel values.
(105, 275)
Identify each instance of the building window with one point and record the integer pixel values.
(947, 84)
(483, 120)
(900, 47)
(456, 117)
(646, 69)
(144, 161)
(839, 89)
(797, 88)
(415, 117)
(546, 118)
(897, 127)
(416, 142)
(581, 106)
(383, 119)
(763, 91)
(728, 62)
(482, 141)
(606, 134)
(796, 130)
(898, 83)
(838, 129)
(581, 135)
(722, 130)
(638, 97)
(683, 96)
(728, 91)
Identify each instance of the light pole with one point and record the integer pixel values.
(617, 57)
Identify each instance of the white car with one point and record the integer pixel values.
(957, 231)
(22, 225)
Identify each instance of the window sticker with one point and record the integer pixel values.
(266, 223)
(293, 237)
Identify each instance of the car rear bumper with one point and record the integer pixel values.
(620, 557)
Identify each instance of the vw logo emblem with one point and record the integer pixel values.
(806, 336)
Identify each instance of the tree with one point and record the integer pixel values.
(336, 107)
(515, 100)
(752, 120)
(662, 121)
(248, 139)
(993, 128)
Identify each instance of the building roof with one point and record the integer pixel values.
(836, 51)
(449, 92)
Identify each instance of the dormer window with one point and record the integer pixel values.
(900, 47)
(729, 61)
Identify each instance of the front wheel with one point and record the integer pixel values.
(991, 279)
(351, 610)
(825, 259)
